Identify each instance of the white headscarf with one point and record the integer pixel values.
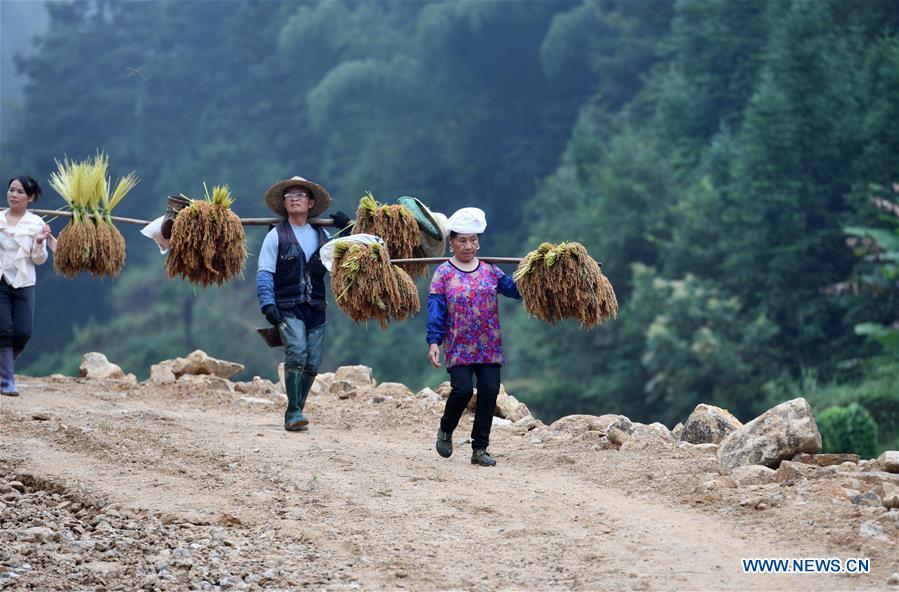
(467, 221)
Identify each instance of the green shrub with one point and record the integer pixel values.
(848, 429)
(884, 408)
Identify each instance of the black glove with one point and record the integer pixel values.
(341, 221)
(272, 314)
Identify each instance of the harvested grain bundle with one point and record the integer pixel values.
(407, 302)
(208, 244)
(366, 286)
(109, 252)
(75, 244)
(89, 242)
(397, 226)
(563, 281)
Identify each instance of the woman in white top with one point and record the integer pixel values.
(23, 244)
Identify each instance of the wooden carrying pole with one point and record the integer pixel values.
(244, 221)
(267, 221)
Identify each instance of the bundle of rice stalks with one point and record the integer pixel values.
(366, 286)
(397, 226)
(208, 244)
(563, 281)
(407, 303)
(90, 243)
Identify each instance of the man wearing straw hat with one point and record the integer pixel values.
(290, 285)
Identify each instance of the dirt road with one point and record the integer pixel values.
(167, 488)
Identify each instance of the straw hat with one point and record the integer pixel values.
(431, 224)
(274, 196)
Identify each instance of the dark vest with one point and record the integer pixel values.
(296, 280)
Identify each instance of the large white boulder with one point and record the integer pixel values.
(779, 434)
(95, 365)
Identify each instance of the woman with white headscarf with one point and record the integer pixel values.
(463, 316)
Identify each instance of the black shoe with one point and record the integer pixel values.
(444, 443)
(480, 457)
(10, 393)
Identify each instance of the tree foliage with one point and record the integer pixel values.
(710, 154)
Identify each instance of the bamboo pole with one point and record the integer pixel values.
(267, 221)
(244, 221)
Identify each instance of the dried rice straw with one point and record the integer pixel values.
(366, 286)
(208, 244)
(397, 226)
(563, 281)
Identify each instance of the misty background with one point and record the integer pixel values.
(715, 156)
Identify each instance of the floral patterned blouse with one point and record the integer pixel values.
(463, 313)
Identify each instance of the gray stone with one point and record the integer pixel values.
(778, 434)
(792, 471)
(199, 362)
(709, 424)
(889, 461)
(443, 389)
(617, 437)
(573, 424)
(161, 373)
(342, 389)
(869, 498)
(604, 423)
(395, 390)
(95, 365)
(36, 534)
(653, 436)
(319, 387)
(257, 386)
(825, 460)
(891, 496)
(871, 529)
(752, 475)
(508, 407)
(427, 393)
(359, 376)
(527, 424)
(205, 381)
(706, 448)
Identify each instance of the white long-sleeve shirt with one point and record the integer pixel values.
(19, 250)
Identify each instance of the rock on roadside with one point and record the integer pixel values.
(709, 425)
(95, 365)
(779, 434)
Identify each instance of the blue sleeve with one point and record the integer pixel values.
(507, 287)
(436, 318)
(265, 288)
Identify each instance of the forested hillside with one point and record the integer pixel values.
(720, 158)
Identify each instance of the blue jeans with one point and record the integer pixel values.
(302, 356)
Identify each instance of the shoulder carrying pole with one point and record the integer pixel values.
(244, 221)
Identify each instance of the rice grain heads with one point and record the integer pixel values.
(397, 226)
(366, 286)
(562, 281)
(90, 242)
(208, 245)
